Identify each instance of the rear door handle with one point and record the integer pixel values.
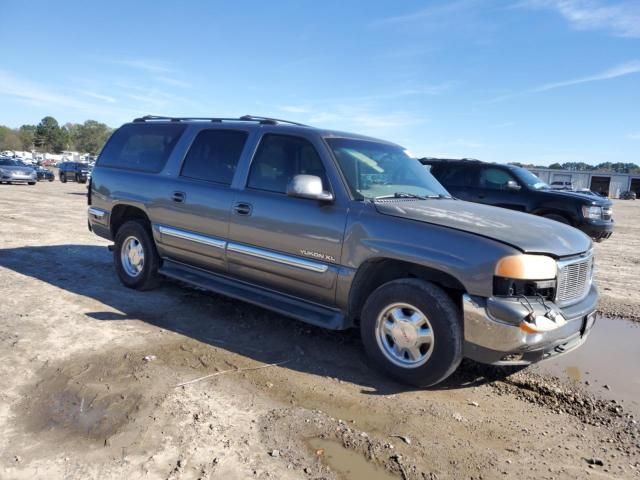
(178, 197)
(242, 208)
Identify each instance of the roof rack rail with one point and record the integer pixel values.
(438, 159)
(244, 118)
(270, 120)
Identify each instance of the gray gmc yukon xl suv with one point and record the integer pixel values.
(341, 230)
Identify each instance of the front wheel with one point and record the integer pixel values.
(31, 183)
(413, 331)
(135, 257)
(63, 179)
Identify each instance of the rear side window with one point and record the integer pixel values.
(141, 147)
(214, 156)
(281, 157)
(453, 175)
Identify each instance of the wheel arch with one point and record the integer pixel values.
(551, 211)
(122, 213)
(375, 272)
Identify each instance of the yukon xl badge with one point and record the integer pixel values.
(318, 255)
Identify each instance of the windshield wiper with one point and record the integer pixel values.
(411, 195)
(400, 195)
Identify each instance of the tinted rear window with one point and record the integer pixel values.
(453, 175)
(214, 155)
(142, 147)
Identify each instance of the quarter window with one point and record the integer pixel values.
(281, 157)
(214, 156)
(140, 146)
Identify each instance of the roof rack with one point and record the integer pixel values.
(244, 118)
(436, 159)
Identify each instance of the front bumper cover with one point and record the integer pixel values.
(494, 332)
(597, 229)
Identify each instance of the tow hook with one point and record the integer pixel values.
(551, 320)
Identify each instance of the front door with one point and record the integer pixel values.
(492, 186)
(292, 245)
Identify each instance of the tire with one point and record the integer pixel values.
(63, 179)
(443, 318)
(557, 218)
(51, 179)
(136, 234)
(31, 183)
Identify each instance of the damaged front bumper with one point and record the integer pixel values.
(497, 332)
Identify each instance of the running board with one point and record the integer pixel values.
(284, 304)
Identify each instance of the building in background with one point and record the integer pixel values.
(611, 184)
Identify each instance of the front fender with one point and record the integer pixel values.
(468, 258)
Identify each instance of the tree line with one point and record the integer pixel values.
(49, 136)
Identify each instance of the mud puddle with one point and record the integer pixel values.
(606, 364)
(347, 464)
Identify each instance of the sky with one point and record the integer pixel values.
(532, 81)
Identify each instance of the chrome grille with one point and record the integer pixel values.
(574, 279)
(606, 213)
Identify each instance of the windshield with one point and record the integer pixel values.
(529, 178)
(7, 162)
(375, 170)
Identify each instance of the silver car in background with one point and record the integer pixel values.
(13, 172)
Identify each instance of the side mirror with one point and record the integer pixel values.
(512, 185)
(308, 186)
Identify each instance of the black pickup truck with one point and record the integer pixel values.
(516, 188)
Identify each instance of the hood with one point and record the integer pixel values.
(590, 198)
(528, 233)
(17, 168)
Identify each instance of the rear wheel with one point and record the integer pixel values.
(413, 331)
(63, 179)
(135, 256)
(31, 183)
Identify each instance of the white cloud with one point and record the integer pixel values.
(615, 72)
(99, 96)
(27, 91)
(426, 15)
(366, 119)
(621, 70)
(149, 66)
(621, 19)
(294, 108)
(174, 82)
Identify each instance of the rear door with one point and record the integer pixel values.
(194, 218)
(456, 177)
(291, 245)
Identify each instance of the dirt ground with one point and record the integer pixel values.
(90, 376)
(618, 263)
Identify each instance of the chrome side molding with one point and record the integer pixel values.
(191, 236)
(278, 258)
(243, 249)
